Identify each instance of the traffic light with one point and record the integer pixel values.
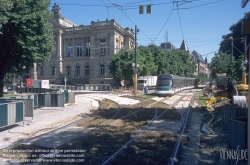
(148, 9)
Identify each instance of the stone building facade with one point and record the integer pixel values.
(167, 46)
(82, 52)
(202, 65)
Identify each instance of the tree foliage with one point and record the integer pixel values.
(152, 61)
(25, 35)
(202, 77)
(121, 66)
(221, 63)
(226, 43)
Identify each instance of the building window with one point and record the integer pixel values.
(103, 46)
(87, 49)
(53, 70)
(78, 49)
(102, 70)
(70, 50)
(41, 71)
(87, 70)
(68, 70)
(78, 71)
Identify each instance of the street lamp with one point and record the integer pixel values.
(232, 49)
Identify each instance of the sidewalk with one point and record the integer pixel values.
(47, 117)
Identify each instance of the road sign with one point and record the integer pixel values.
(243, 3)
(29, 82)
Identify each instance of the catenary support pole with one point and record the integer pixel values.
(135, 58)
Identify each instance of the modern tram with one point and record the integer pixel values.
(168, 84)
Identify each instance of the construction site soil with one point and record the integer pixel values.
(211, 143)
(151, 147)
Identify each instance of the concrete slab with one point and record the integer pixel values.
(190, 154)
(157, 98)
(115, 98)
(168, 126)
(170, 101)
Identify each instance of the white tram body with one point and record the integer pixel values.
(167, 84)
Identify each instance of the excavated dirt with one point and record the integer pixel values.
(210, 145)
(152, 147)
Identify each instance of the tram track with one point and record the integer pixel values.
(126, 128)
(86, 118)
(122, 149)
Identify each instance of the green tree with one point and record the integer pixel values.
(237, 68)
(161, 59)
(181, 64)
(146, 62)
(220, 63)
(25, 35)
(121, 66)
(235, 32)
(202, 77)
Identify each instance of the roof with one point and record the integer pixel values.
(184, 46)
(197, 56)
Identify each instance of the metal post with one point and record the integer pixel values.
(65, 80)
(248, 116)
(244, 81)
(232, 50)
(135, 58)
(248, 125)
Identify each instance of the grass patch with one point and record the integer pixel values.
(9, 95)
(200, 99)
(148, 96)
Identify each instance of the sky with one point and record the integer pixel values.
(202, 23)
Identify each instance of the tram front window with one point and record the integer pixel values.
(164, 83)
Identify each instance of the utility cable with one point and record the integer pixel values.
(165, 22)
(135, 2)
(130, 20)
(238, 49)
(209, 53)
(82, 5)
(205, 45)
(202, 4)
(107, 8)
(179, 20)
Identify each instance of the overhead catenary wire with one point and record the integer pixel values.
(107, 8)
(209, 53)
(165, 22)
(202, 4)
(179, 4)
(131, 21)
(179, 20)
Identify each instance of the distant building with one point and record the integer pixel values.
(202, 65)
(167, 46)
(82, 53)
(184, 46)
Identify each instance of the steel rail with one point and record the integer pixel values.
(130, 141)
(176, 150)
(111, 158)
